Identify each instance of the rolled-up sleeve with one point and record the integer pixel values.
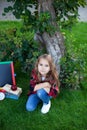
(54, 89)
(33, 80)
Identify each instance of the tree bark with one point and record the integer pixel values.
(55, 43)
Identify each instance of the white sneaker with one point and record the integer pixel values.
(46, 107)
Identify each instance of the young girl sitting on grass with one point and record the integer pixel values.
(43, 84)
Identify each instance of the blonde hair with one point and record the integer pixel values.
(53, 71)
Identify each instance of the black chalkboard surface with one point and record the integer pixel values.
(6, 73)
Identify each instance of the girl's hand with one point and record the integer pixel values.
(48, 85)
(47, 89)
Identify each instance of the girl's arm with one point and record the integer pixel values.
(42, 85)
(54, 90)
(33, 80)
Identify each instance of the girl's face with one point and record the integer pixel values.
(43, 67)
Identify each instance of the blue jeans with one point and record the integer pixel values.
(35, 99)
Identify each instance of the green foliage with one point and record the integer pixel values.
(40, 22)
(20, 9)
(19, 47)
(72, 71)
(74, 63)
(43, 23)
(67, 24)
(67, 10)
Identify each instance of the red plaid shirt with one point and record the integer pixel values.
(34, 80)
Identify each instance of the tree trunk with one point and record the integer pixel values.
(55, 43)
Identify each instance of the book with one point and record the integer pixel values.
(10, 93)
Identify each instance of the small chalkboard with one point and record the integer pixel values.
(7, 73)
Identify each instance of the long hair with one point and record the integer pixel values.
(53, 72)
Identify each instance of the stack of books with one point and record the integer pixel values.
(10, 93)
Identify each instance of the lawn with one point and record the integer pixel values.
(68, 111)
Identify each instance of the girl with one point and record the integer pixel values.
(43, 84)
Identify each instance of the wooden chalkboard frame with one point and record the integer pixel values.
(7, 75)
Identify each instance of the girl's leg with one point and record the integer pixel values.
(42, 94)
(32, 102)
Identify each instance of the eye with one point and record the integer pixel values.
(41, 64)
(46, 65)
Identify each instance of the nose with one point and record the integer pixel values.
(43, 68)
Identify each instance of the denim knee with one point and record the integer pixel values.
(29, 107)
(40, 93)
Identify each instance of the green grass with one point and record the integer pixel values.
(9, 24)
(68, 111)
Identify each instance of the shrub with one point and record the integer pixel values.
(19, 47)
(73, 64)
